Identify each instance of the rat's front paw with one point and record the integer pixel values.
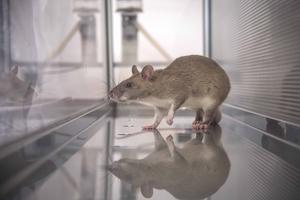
(149, 127)
(169, 138)
(170, 121)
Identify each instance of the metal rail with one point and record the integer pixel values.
(69, 65)
(9, 148)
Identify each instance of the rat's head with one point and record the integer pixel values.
(129, 170)
(135, 172)
(13, 88)
(135, 87)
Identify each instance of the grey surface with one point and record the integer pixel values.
(255, 172)
(258, 42)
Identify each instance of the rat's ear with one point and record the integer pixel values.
(147, 72)
(15, 69)
(147, 190)
(134, 69)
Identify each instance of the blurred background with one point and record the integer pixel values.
(58, 60)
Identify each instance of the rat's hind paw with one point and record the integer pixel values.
(198, 125)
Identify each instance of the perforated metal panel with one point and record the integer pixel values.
(258, 43)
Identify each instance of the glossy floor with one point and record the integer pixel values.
(231, 161)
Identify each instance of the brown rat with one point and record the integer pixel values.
(194, 82)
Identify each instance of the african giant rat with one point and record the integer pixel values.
(195, 171)
(195, 82)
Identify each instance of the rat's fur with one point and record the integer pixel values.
(195, 82)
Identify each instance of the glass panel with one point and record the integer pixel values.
(155, 32)
(75, 172)
(52, 62)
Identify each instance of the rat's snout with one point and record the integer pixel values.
(110, 168)
(110, 94)
(114, 94)
(116, 169)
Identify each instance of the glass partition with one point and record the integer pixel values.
(51, 62)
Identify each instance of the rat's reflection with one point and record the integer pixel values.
(195, 171)
(16, 97)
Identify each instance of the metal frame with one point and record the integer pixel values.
(109, 153)
(207, 27)
(108, 48)
(5, 58)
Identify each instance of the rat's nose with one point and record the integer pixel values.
(110, 168)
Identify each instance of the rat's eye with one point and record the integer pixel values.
(129, 85)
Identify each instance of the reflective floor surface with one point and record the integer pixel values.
(117, 160)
